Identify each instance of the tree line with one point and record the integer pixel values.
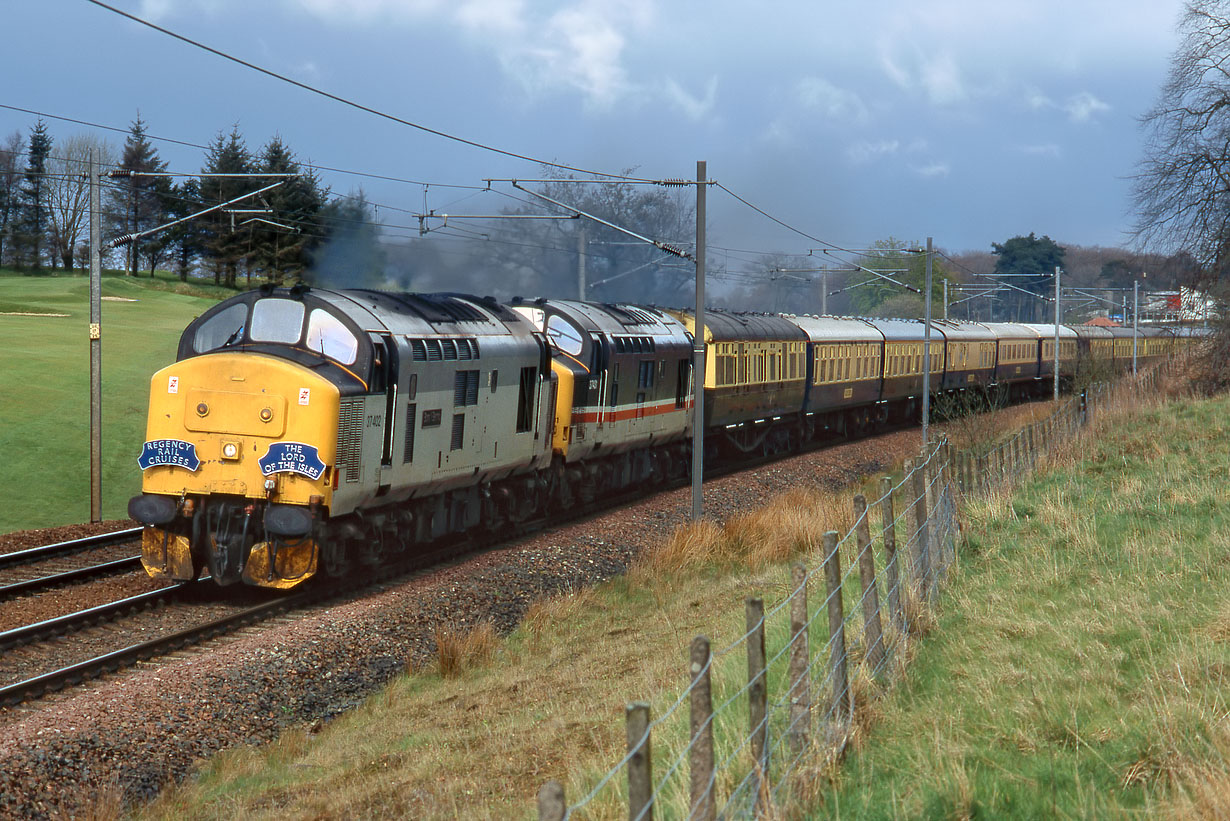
(274, 237)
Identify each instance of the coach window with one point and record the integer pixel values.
(327, 335)
(277, 320)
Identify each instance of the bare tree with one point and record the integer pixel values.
(12, 150)
(68, 191)
(1182, 190)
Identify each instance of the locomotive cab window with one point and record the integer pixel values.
(224, 328)
(277, 320)
(327, 336)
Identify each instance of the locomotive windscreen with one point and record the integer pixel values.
(278, 321)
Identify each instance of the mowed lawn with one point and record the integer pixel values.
(45, 390)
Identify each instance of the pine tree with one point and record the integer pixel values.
(32, 207)
(183, 241)
(224, 249)
(139, 203)
(282, 243)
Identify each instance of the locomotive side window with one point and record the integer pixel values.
(327, 336)
(277, 320)
(225, 328)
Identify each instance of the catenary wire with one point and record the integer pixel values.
(360, 106)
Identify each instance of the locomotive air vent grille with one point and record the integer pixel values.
(434, 354)
(459, 431)
(418, 351)
(465, 389)
(450, 349)
(350, 437)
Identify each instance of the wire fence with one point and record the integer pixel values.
(751, 739)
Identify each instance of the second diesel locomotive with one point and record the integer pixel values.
(304, 431)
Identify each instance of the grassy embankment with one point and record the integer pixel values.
(45, 387)
(1077, 667)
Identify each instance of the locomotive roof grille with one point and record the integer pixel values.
(431, 307)
(630, 315)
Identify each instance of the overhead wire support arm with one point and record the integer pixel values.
(657, 243)
(668, 183)
(123, 172)
(882, 276)
(126, 238)
(444, 218)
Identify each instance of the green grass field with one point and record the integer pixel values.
(45, 381)
(1079, 665)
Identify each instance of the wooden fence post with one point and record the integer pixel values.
(551, 804)
(840, 704)
(800, 658)
(873, 630)
(640, 763)
(757, 693)
(700, 759)
(895, 611)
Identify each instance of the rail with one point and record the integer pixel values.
(28, 586)
(36, 554)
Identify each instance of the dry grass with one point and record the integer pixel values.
(789, 526)
(460, 650)
(107, 804)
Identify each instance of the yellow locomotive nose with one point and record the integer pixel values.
(234, 410)
(231, 437)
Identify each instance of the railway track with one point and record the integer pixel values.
(55, 663)
(57, 653)
(38, 658)
(38, 554)
(35, 569)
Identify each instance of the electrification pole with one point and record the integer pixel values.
(824, 293)
(95, 344)
(581, 263)
(698, 351)
(1135, 320)
(926, 397)
(1055, 376)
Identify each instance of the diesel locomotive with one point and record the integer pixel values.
(304, 431)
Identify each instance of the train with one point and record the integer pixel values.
(305, 432)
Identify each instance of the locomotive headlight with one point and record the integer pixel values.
(230, 450)
(266, 414)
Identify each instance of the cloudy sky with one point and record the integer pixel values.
(967, 121)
